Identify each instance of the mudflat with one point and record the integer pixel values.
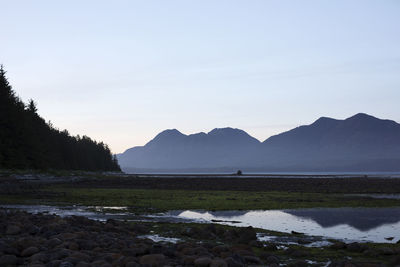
(223, 183)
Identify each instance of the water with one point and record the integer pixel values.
(347, 224)
(251, 174)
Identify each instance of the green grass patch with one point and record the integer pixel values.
(163, 200)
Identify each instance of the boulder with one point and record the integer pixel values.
(233, 263)
(202, 262)
(40, 257)
(356, 247)
(29, 251)
(6, 260)
(252, 260)
(188, 260)
(152, 259)
(13, 230)
(218, 263)
(66, 264)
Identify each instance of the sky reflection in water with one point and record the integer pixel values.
(361, 224)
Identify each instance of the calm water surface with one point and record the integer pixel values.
(351, 224)
(348, 224)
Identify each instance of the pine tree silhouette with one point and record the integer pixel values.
(28, 142)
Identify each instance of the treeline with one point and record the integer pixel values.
(28, 142)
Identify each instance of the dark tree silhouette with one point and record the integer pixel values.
(28, 142)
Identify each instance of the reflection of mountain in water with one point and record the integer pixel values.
(228, 214)
(363, 219)
(217, 214)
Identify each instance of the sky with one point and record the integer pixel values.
(123, 71)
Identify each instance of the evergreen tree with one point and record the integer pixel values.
(28, 142)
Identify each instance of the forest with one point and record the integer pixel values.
(27, 141)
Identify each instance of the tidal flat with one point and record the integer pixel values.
(147, 196)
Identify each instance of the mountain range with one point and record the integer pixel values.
(359, 143)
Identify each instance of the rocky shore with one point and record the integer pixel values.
(49, 240)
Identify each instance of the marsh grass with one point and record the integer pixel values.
(147, 200)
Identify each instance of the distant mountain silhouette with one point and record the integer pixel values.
(173, 150)
(359, 143)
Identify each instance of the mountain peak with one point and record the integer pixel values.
(359, 143)
(171, 132)
(362, 116)
(324, 121)
(166, 136)
(226, 130)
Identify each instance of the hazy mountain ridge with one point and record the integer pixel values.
(358, 143)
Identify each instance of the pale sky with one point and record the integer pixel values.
(122, 71)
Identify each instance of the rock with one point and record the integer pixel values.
(218, 263)
(82, 264)
(232, 263)
(299, 263)
(86, 244)
(297, 233)
(66, 264)
(33, 229)
(6, 260)
(371, 252)
(13, 230)
(272, 259)
(188, 251)
(132, 264)
(99, 263)
(256, 243)
(81, 256)
(395, 261)
(39, 258)
(55, 263)
(304, 241)
(128, 259)
(386, 251)
(60, 254)
(200, 251)
(271, 246)
(188, 260)
(252, 260)
(29, 251)
(73, 246)
(11, 251)
(202, 262)
(72, 260)
(244, 252)
(53, 242)
(356, 247)
(299, 253)
(238, 258)
(152, 259)
(338, 245)
(246, 235)
(218, 249)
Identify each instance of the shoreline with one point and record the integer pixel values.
(50, 240)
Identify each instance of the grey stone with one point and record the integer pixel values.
(202, 262)
(13, 230)
(6, 260)
(29, 251)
